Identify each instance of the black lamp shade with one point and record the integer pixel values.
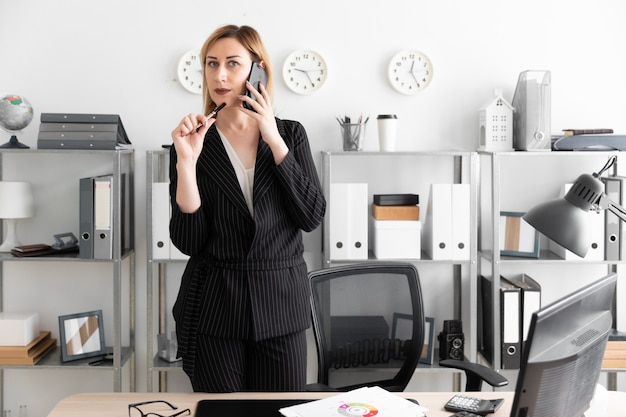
(566, 220)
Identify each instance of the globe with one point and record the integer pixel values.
(15, 114)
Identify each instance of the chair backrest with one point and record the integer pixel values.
(368, 321)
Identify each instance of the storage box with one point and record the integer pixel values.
(396, 239)
(18, 329)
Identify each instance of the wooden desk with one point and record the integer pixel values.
(116, 404)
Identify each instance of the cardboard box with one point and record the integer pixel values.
(18, 329)
(395, 212)
(396, 239)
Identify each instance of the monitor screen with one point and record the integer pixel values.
(562, 357)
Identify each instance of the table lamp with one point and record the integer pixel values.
(16, 202)
(566, 220)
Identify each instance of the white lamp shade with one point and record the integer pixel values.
(16, 200)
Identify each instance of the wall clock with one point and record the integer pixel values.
(410, 71)
(304, 71)
(190, 71)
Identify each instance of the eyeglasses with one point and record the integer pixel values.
(134, 411)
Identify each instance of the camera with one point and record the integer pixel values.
(451, 340)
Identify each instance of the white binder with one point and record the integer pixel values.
(460, 222)
(103, 217)
(511, 322)
(160, 220)
(437, 236)
(348, 212)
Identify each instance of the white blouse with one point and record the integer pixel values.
(245, 176)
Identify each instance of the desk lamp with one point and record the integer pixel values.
(16, 202)
(566, 220)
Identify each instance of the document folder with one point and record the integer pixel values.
(460, 222)
(438, 224)
(160, 220)
(613, 187)
(530, 301)
(531, 118)
(85, 227)
(510, 324)
(103, 217)
(348, 221)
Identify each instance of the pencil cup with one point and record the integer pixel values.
(387, 131)
(353, 134)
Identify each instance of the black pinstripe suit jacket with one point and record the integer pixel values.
(246, 278)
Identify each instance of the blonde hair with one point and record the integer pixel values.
(251, 40)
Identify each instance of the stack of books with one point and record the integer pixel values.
(396, 207)
(82, 131)
(29, 354)
(395, 226)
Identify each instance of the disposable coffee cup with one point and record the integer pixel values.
(387, 131)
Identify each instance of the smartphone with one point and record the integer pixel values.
(257, 75)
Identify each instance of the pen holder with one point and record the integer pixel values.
(352, 134)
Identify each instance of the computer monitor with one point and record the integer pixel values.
(563, 354)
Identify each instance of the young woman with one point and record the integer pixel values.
(243, 187)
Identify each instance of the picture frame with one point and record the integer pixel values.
(81, 335)
(428, 351)
(401, 328)
(517, 237)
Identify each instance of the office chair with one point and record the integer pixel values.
(368, 322)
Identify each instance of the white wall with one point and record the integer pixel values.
(119, 56)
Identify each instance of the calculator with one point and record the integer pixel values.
(473, 405)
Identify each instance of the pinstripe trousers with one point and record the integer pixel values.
(229, 365)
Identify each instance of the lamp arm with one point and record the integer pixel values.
(605, 203)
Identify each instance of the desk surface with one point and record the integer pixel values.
(116, 404)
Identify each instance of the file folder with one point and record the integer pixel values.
(160, 220)
(530, 301)
(349, 214)
(437, 238)
(85, 213)
(103, 217)
(485, 319)
(612, 224)
(510, 320)
(460, 222)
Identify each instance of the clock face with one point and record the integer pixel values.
(410, 71)
(304, 71)
(190, 71)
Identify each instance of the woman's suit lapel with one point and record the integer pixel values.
(221, 170)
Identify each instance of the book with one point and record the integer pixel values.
(396, 199)
(571, 132)
(395, 212)
(29, 354)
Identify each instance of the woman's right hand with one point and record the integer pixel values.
(187, 141)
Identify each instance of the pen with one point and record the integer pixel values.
(212, 114)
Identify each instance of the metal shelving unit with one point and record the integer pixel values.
(121, 164)
(517, 181)
(397, 172)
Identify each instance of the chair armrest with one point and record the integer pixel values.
(476, 374)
